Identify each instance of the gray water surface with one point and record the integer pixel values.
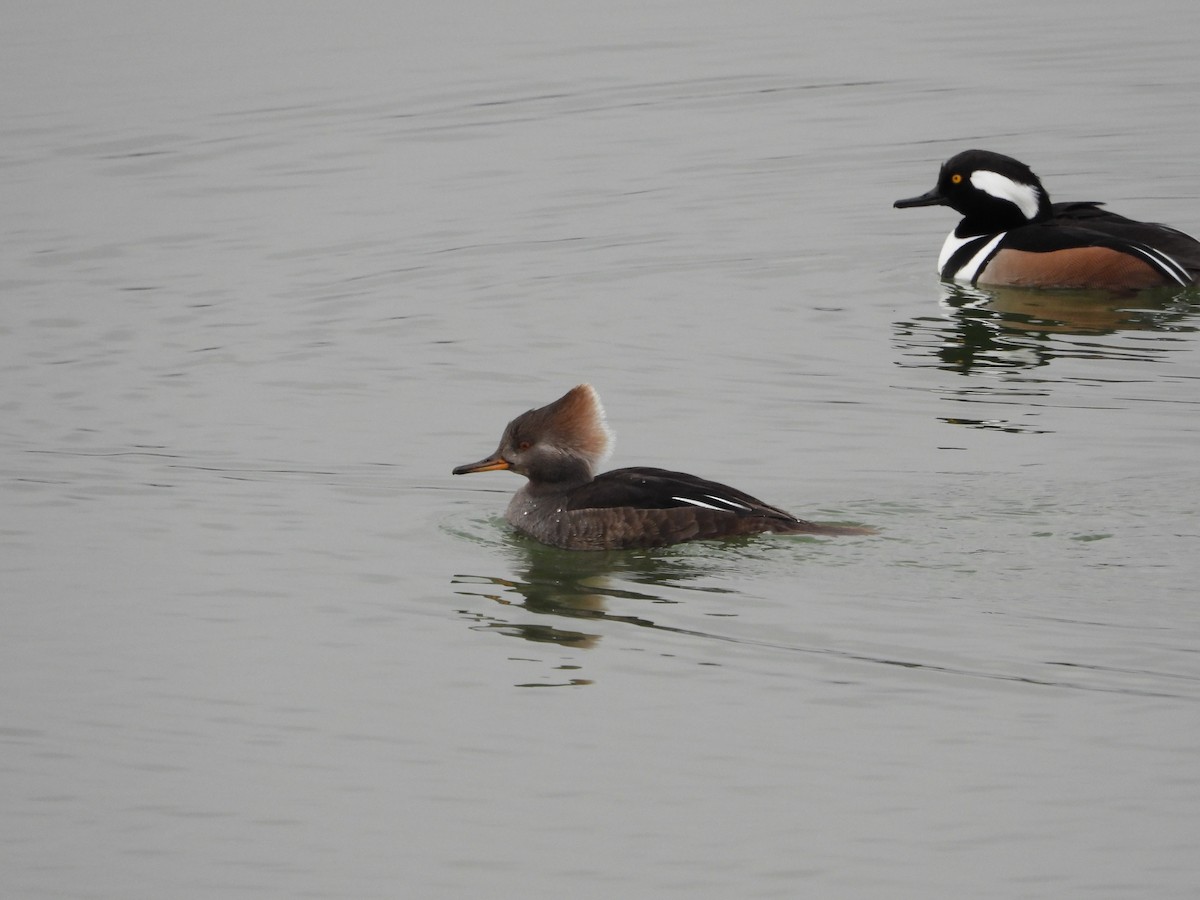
(272, 270)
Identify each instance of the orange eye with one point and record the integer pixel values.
(956, 178)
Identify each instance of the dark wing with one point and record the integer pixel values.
(1085, 224)
(647, 507)
(650, 488)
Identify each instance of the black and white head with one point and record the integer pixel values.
(993, 192)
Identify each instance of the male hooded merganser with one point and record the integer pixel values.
(1011, 234)
(565, 504)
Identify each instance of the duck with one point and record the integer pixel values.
(565, 504)
(1011, 234)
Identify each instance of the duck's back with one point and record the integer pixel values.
(1090, 216)
(649, 507)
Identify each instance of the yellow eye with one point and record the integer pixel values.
(956, 178)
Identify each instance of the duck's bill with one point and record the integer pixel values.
(490, 464)
(929, 198)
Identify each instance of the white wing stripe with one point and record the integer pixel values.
(727, 501)
(698, 503)
(1164, 262)
(728, 504)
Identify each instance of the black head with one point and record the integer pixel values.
(993, 192)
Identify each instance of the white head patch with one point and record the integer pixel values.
(1025, 196)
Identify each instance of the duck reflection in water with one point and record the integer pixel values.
(579, 586)
(1024, 328)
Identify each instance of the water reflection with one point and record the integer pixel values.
(577, 586)
(580, 587)
(1017, 329)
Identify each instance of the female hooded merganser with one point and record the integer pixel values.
(1011, 234)
(565, 504)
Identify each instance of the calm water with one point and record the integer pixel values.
(271, 270)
